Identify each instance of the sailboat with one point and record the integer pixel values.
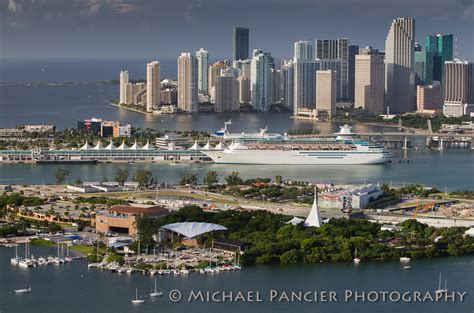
(136, 300)
(356, 259)
(441, 290)
(16, 259)
(156, 293)
(23, 290)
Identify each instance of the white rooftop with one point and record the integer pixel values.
(193, 229)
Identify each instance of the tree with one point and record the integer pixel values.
(61, 175)
(121, 176)
(211, 179)
(188, 178)
(234, 179)
(142, 177)
(78, 181)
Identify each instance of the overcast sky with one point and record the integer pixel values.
(163, 28)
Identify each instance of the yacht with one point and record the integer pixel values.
(23, 290)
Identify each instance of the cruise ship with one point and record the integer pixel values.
(342, 148)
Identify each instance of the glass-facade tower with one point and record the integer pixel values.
(442, 48)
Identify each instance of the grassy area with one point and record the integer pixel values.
(82, 249)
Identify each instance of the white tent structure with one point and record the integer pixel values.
(193, 229)
(147, 146)
(220, 146)
(123, 146)
(98, 146)
(134, 146)
(195, 146)
(207, 146)
(110, 146)
(85, 146)
(314, 218)
(295, 221)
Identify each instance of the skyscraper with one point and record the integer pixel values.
(215, 71)
(326, 92)
(275, 77)
(227, 92)
(260, 80)
(304, 91)
(423, 67)
(399, 66)
(336, 49)
(459, 88)
(153, 85)
(352, 52)
(187, 83)
(202, 57)
(244, 66)
(287, 82)
(123, 86)
(244, 89)
(303, 50)
(241, 43)
(369, 82)
(442, 48)
(336, 65)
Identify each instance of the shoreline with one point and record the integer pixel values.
(130, 109)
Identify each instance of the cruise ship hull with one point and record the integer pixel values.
(298, 157)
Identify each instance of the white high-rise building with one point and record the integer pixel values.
(260, 80)
(202, 57)
(153, 85)
(326, 92)
(399, 66)
(369, 83)
(303, 50)
(123, 86)
(287, 82)
(304, 86)
(459, 88)
(187, 83)
(244, 66)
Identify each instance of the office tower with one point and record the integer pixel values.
(326, 92)
(187, 83)
(287, 82)
(241, 43)
(459, 88)
(423, 67)
(399, 66)
(304, 95)
(215, 71)
(442, 48)
(244, 89)
(202, 57)
(260, 81)
(123, 86)
(244, 66)
(153, 85)
(369, 83)
(336, 49)
(430, 98)
(227, 92)
(303, 50)
(352, 52)
(338, 66)
(275, 85)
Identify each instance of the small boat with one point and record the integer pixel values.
(23, 290)
(405, 259)
(406, 267)
(156, 293)
(136, 300)
(356, 260)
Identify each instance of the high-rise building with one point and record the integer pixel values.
(202, 57)
(338, 66)
(241, 43)
(287, 82)
(135, 92)
(399, 66)
(244, 67)
(442, 48)
(275, 77)
(369, 83)
(430, 98)
(304, 91)
(227, 92)
(187, 83)
(215, 71)
(459, 88)
(326, 92)
(260, 80)
(123, 86)
(303, 50)
(153, 85)
(244, 90)
(353, 50)
(336, 49)
(423, 67)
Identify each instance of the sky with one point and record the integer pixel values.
(116, 29)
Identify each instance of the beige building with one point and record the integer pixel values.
(326, 92)
(123, 86)
(459, 88)
(215, 71)
(430, 98)
(153, 85)
(187, 83)
(133, 92)
(244, 89)
(369, 83)
(227, 92)
(122, 218)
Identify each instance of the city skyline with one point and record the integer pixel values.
(78, 30)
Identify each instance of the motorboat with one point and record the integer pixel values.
(23, 290)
